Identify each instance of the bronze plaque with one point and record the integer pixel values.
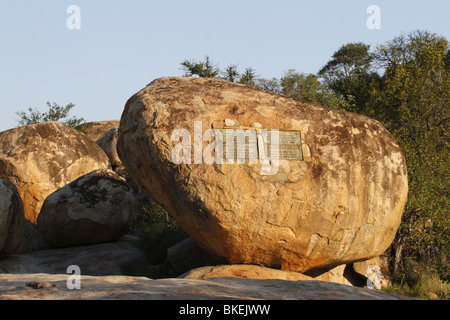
(247, 144)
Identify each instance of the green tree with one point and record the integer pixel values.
(413, 102)
(307, 87)
(203, 69)
(55, 113)
(248, 77)
(349, 74)
(231, 73)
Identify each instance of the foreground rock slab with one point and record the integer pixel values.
(101, 259)
(14, 287)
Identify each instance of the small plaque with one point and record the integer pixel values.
(289, 146)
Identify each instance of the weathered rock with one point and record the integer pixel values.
(96, 260)
(42, 158)
(97, 207)
(12, 219)
(109, 144)
(243, 271)
(340, 201)
(376, 272)
(335, 274)
(184, 256)
(13, 287)
(96, 130)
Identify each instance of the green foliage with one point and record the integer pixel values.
(248, 77)
(156, 230)
(231, 73)
(411, 98)
(349, 74)
(419, 282)
(55, 113)
(203, 69)
(307, 87)
(413, 102)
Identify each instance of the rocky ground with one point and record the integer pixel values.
(14, 287)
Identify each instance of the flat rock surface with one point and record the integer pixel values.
(54, 287)
(100, 259)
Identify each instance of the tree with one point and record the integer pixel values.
(272, 84)
(413, 102)
(307, 87)
(54, 113)
(231, 73)
(349, 74)
(248, 77)
(203, 69)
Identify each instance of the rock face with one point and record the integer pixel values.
(184, 256)
(336, 195)
(42, 158)
(95, 260)
(12, 219)
(14, 287)
(109, 144)
(243, 271)
(96, 130)
(97, 207)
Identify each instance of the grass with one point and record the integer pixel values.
(423, 283)
(157, 232)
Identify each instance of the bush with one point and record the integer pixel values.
(418, 281)
(156, 230)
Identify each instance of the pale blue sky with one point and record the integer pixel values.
(124, 45)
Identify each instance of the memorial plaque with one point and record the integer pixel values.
(289, 146)
(241, 145)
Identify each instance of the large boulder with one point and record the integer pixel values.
(335, 195)
(97, 207)
(42, 158)
(12, 219)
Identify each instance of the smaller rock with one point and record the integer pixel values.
(184, 256)
(243, 271)
(109, 143)
(376, 272)
(12, 218)
(95, 208)
(40, 285)
(96, 130)
(231, 123)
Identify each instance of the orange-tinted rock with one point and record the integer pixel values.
(42, 158)
(95, 208)
(340, 201)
